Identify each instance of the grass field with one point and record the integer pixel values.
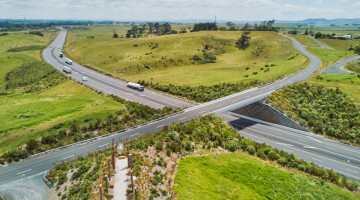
(238, 176)
(167, 59)
(9, 60)
(342, 45)
(354, 66)
(306, 41)
(338, 30)
(27, 116)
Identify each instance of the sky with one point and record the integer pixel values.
(166, 10)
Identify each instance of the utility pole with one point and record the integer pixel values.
(101, 192)
(106, 180)
(109, 169)
(113, 156)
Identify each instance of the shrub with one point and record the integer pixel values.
(38, 33)
(2, 161)
(250, 149)
(282, 161)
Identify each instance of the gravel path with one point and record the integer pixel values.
(337, 68)
(121, 179)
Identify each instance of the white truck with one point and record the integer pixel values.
(135, 86)
(67, 69)
(68, 61)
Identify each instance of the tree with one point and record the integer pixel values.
(357, 49)
(243, 41)
(32, 145)
(318, 35)
(229, 24)
(157, 27)
(246, 27)
(306, 32)
(151, 27)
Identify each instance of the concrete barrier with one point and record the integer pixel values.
(48, 183)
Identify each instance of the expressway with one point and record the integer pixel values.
(341, 157)
(322, 45)
(107, 84)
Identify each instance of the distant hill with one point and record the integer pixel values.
(324, 22)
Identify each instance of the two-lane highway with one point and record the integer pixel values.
(334, 157)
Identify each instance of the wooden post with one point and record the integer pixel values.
(109, 175)
(132, 182)
(113, 156)
(101, 192)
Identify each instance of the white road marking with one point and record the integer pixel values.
(24, 171)
(314, 139)
(104, 145)
(309, 147)
(218, 106)
(352, 171)
(233, 100)
(182, 118)
(67, 157)
(160, 126)
(330, 148)
(135, 134)
(201, 112)
(317, 159)
(290, 145)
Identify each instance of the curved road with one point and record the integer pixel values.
(338, 156)
(337, 68)
(107, 84)
(319, 43)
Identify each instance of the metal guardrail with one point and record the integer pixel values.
(48, 183)
(103, 136)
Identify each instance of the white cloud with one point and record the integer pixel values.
(356, 4)
(172, 9)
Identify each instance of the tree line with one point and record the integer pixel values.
(150, 28)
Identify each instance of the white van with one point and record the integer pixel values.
(85, 78)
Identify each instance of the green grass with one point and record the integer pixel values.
(342, 45)
(10, 60)
(328, 57)
(338, 30)
(27, 116)
(238, 176)
(350, 84)
(306, 41)
(354, 66)
(170, 63)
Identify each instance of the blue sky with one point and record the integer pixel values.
(153, 10)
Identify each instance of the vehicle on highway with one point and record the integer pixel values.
(68, 61)
(61, 55)
(135, 86)
(67, 69)
(85, 78)
(58, 47)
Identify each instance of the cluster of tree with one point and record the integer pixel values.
(3, 34)
(157, 28)
(357, 49)
(244, 41)
(208, 26)
(133, 114)
(26, 48)
(203, 93)
(263, 26)
(211, 132)
(38, 33)
(325, 111)
(19, 25)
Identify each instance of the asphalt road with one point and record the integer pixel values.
(107, 84)
(337, 68)
(38, 165)
(344, 159)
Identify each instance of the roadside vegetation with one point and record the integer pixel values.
(239, 176)
(354, 67)
(214, 159)
(325, 111)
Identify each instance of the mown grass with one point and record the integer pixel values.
(338, 30)
(170, 62)
(306, 41)
(238, 176)
(342, 45)
(27, 116)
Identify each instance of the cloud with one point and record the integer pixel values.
(151, 10)
(357, 4)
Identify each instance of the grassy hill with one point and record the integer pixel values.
(35, 98)
(168, 59)
(238, 176)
